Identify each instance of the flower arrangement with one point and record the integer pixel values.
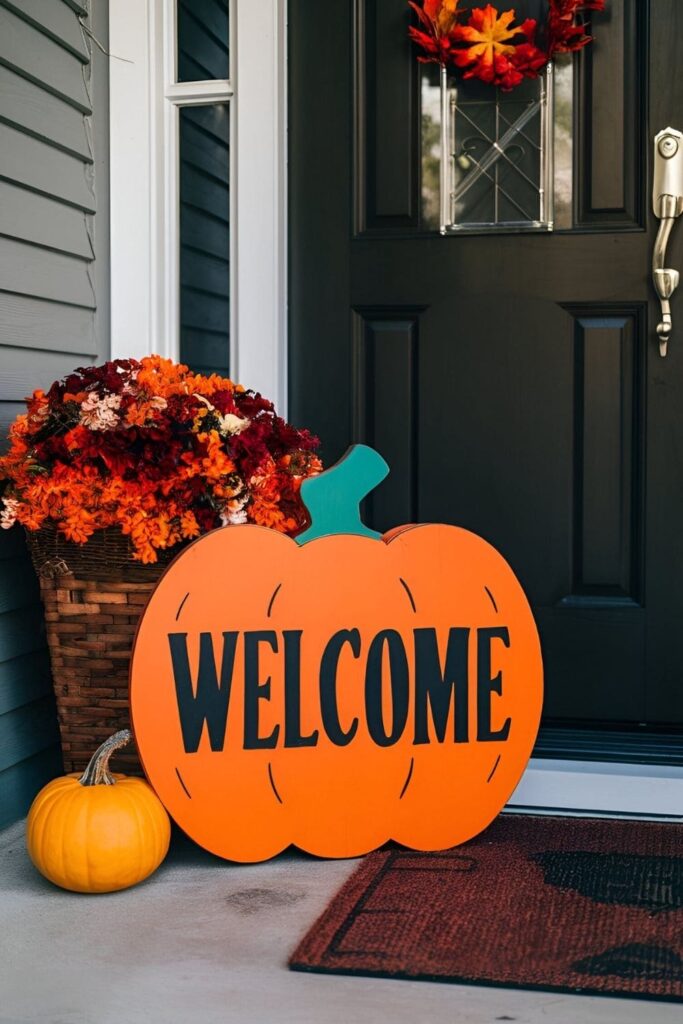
(159, 452)
(483, 43)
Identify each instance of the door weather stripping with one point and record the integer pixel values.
(667, 201)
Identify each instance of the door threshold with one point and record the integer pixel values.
(581, 742)
(600, 789)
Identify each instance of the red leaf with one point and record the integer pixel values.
(564, 34)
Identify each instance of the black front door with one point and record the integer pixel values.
(512, 381)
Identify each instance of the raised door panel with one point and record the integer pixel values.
(385, 410)
(610, 121)
(386, 120)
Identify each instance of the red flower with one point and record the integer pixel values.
(564, 35)
(528, 60)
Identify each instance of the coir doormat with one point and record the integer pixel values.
(580, 905)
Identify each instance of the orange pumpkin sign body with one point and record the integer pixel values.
(336, 694)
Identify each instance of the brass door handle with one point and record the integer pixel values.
(667, 202)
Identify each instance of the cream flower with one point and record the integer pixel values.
(236, 518)
(100, 413)
(8, 515)
(227, 424)
(231, 424)
(234, 512)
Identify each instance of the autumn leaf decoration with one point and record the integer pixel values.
(564, 33)
(497, 50)
(438, 18)
(486, 44)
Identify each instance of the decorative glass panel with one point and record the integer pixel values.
(564, 148)
(203, 40)
(498, 166)
(205, 237)
(509, 155)
(431, 146)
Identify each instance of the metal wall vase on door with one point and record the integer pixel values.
(496, 171)
(667, 200)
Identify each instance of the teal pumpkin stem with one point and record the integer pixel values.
(333, 498)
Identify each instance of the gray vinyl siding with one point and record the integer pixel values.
(54, 309)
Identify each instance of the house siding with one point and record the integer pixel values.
(54, 309)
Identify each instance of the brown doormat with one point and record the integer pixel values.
(580, 905)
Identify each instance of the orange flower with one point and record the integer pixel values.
(78, 525)
(189, 525)
(215, 464)
(266, 513)
(489, 33)
(20, 426)
(76, 438)
(145, 553)
(31, 517)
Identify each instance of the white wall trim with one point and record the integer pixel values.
(591, 787)
(196, 93)
(133, 109)
(260, 359)
(144, 185)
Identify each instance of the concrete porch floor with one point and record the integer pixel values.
(207, 942)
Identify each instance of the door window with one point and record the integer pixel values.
(481, 115)
(198, 194)
(202, 44)
(201, 143)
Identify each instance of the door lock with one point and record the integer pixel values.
(667, 202)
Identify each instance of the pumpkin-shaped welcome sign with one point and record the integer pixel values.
(337, 690)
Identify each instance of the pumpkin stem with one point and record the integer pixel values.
(333, 498)
(97, 773)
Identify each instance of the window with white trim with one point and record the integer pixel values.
(198, 185)
(201, 141)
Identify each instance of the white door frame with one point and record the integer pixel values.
(144, 101)
(144, 271)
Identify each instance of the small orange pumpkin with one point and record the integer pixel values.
(338, 690)
(99, 832)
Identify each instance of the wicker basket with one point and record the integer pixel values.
(94, 595)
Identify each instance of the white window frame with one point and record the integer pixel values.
(144, 103)
(144, 276)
